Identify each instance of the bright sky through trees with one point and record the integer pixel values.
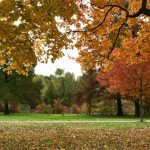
(66, 63)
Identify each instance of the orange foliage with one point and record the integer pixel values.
(102, 30)
(118, 30)
(130, 80)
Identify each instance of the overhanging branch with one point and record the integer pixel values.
(103, 19)
(117, 36)
(143, 10)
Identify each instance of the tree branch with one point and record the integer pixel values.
(114, 44)
(103, 19)
(142, 10)
(111, 5)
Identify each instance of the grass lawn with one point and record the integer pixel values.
(74, 136)
(61, 117)
(21, 135)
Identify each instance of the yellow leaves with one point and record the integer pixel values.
(7, 6)
(102, 3)
(127, 46)
(2, 62)
(107, 66)
(99, 2)
(25, 73)
(135, 6)
(26, 43)
(40, 34)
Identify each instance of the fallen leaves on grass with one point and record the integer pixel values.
(66, 137)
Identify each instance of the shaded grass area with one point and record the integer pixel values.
(61, 117)
(70, 136)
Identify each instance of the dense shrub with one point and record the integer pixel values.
(58, 107)
(43, 108)
(25, 108)
(76, 109)
(1, 107)
(105, 108)
(14, 107)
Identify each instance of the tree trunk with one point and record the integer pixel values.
(119, 106)
(90, 107)
(141, 111)
(6, 106)
(137, 108)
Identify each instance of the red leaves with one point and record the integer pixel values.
(130, 80)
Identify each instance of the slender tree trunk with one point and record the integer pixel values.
(119, 106)
(90, 107)
(141, 111)
(53, 110)
(137, 108)
(6, 105)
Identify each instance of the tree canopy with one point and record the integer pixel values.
(115, 26)
(102, 30)
(130, 81)
(29, 32)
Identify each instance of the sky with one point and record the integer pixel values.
(69, 65)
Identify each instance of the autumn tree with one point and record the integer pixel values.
(102, 30)
(29, 32)
(107, 79)
(132, 81)
(34, 30)
(114, 26)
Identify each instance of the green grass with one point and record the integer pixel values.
(61, 117)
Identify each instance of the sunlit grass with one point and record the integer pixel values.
(61, 117)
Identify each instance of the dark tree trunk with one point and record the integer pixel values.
(90, 107)
(137, 108)
(141, 111)
(119, 105)
(6, 105)
(53, 110)
(6, 109)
